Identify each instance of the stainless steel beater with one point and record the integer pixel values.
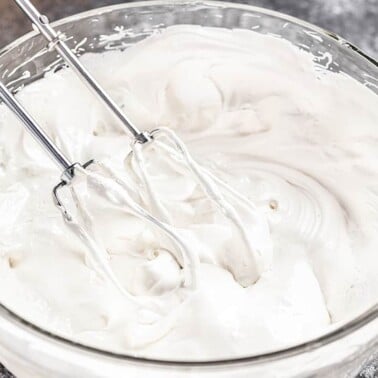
(117, 188)
(218, 191)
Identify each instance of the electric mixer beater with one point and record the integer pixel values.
(116, 190)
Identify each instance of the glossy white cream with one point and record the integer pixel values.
(299, 142)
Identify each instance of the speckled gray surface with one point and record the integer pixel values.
(355, 20)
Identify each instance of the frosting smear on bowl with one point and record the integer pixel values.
(299, 142)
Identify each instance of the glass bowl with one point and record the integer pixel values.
(30, 351)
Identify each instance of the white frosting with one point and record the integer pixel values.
(299, 142)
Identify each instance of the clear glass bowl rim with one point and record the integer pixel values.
(346, 329)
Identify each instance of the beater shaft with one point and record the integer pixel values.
(29, 122)
(56, 41)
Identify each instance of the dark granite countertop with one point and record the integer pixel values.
(355, 20)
